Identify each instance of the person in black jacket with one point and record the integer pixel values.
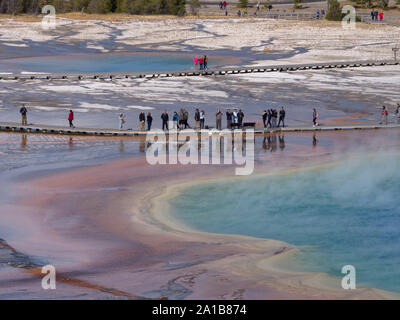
(149, 121)
(142, 120)
(264, 117)
(269, 117)
(165, 118)
(240, 116)
(282, 115)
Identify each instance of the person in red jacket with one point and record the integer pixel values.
(70, 119)
(381, 15)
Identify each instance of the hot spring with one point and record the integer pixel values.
(107, 62)
(345, 213)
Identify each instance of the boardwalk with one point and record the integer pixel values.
(58, 130)
(208, 72)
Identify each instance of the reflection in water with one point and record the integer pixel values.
(24, 139)
(121, 146)
(270, 143)
(315, 141)
(282, 142)
(71, 143)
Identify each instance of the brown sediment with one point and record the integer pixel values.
(108, 226)
(350, 119)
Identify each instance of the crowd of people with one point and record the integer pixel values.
(270, 118)
(234, 118)
(375, 14)
(200, 63)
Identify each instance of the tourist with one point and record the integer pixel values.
(376, 15)
(239, 13)
(149, 121)
(221, 5)
(71, 119)
(372, 14)
(205, 62)
(240, 116)
(175, 120)
(164, 118)
(224, 5)
(202, 119)
(121, 121)
(23, 111)
(381, 15)
(235, 117)
(226, 13)
(282, 114)
(229, 118)
(186, 118)
(315, 117)
(317, 14)
(201, 63)
(195, 62)
(274, 118)
(264, 117)
(397, 112)
(196, 124)
(384, 116)
(269, 118)
(218, 117)
(181, 121)
(142, 120)
(270, 7)
(258, 5)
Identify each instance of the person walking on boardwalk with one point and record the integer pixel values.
(165, 119)
(201, 63)
(264, 118)
(71, 119)
(398, 112)
(218, 118)
(235, 117)
(23, 111)
(269, 118)
(274, 118)
(186, 118)
(175, 120)
(229, 116)
(149, 121)
(240, 116)
(381, 15)
(142, 120)
(282, 114)
(180, 119)
(384, 116)
(315, 117)
(195, 63)
(121, 121)
(202, 119)
(196, 124)
(205, 62)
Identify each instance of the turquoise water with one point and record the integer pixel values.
(115, 62)
(349, 213)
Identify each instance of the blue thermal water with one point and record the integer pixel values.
(348, 212)
(115, 62)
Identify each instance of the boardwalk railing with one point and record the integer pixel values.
(208, 72)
